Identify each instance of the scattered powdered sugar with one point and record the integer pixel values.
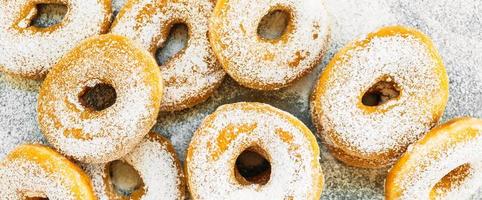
(20, 174)
(458, 42)
(179, 126)
(261, 64)
(354, 21)
(191, 75)
(156, 165)
(287, 146)
(18, 115)
(405, 60)
(455, 28)
(31, 53)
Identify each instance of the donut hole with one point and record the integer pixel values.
(274, 25)
(252, 167)
(47, 15)
(381, 92)
(37, 196)
(451, 180)
(175, 42)
(123, 180)
(99, 97)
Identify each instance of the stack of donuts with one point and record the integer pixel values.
(377, 104)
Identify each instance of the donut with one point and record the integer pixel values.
(30, 51)
(253, 151)
(191, 75)
(269, 63)
(108, 66)
(33, 171)
(444, 164)
(378, 95)
(151, 171)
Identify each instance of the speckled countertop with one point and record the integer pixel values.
(455, 27)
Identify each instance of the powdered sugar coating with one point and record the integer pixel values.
(158, 166)
(45, 174)
(31, 51)
(346, 124)
(20, 175)
(100, 136)
(290, 146)
(442, 150)
(269, 64)
(350, 18)
(194, 73)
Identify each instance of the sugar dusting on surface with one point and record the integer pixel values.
(33, 53)
(419, 183)
(252, 124)
(18, 113)
(408, 63)
(192, 74)
(156, 166)
(458, 42)
(455, 28)
(270, 64)
(105, 135)
(21, 174)
(424, 168)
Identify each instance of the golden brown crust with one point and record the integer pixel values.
(434, 149)
(108, 59)
(340, 148)
(250, 69)
(56, 166)
(229, 135)
(18, 32)
(138, 160)
(193, 73)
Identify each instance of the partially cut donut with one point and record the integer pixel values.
(37, 171)
(151, 171)
(445, 164)
(30, 51)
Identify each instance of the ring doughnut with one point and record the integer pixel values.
(264, 63)
(34, 171)
(157, 165)
(93, 133)
(30, 51)
(193, 74)
(253, 151)
(445, 164)
(378, 95)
